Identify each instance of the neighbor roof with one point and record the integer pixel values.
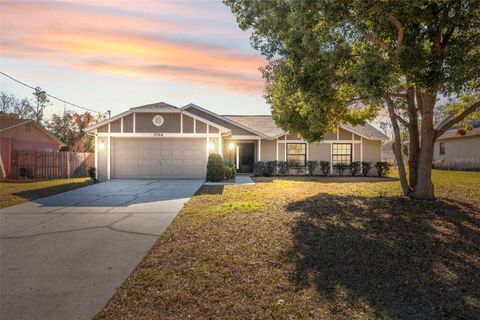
(10, 123)
(368, 131)
(7, 122)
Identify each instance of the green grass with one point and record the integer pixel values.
(12, 193)
(314, 248)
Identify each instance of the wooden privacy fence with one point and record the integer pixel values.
(51, 165)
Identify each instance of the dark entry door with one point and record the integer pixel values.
(246, 157)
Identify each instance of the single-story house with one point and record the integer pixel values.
(22, 134)
(162, 141)
(458, 148)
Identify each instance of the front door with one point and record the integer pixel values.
(246, 157)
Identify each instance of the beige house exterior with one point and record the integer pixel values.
(454, 150)
(163, 141)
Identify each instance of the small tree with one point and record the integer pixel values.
(39, 103)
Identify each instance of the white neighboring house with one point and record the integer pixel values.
(457, 148)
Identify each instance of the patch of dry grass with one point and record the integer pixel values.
(12, 193)
(313, 248)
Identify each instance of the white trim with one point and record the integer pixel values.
(353, 152)
(108, 157)
(152, 135)
(134, 129)
(213, 124)
(276, 149)
(208, 143)
(237, 157)
(331, 157)
(104, 122)
(181, 122)
(285, 141)
(306, 151)
(338, 133)
(121, 124)
(96, 156)
(155, 110)
(324, 141)
(237, 137)
(259, 149)
(220, 144)
(194, 125)
(109, 130)
(361, 149)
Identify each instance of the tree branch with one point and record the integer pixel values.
(401, 120)
(400, 27)
(456, 119)
(378, 42)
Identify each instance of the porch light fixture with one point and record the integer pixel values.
(212, 146)
(231, 146)
(101, 146)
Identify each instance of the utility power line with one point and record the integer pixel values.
(51, 96)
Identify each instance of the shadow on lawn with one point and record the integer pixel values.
(48, 191)
(205, 189)
(327, 179)
(404, 259)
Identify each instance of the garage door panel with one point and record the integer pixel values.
(158, 158)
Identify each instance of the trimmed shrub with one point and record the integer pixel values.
(383, 168)
(215, 168)
(311, 166)
(270, 168)
(282, 168)
(259, 169)
(229, 173)
(92, 173)
(366, 166)
(228, 164)
(355, 168)
(340, 168)
(325, 167)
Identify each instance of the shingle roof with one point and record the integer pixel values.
(157, 107)
(266, 125)
(7, 122)
(263, 124)
(366, 130)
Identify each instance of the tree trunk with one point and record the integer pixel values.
(414, 143)
(423, 186)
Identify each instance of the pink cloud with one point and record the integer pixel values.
(101, 41)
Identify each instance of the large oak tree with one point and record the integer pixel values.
(336, 61)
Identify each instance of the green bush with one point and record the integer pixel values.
(282, 168)
(270, 168)
(325, 167)
(340, 168)
(229, 173)
(366, 166)
(259, 169)
(92, 173)
(355, 168)
(215, 168)
(383, 168)
(311, 166)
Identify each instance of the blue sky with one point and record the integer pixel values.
(113, 55)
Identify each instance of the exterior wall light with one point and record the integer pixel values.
(212, 146)
(231, 146)
(101, 146)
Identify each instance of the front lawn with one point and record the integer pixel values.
(12, 193)
(314, 248)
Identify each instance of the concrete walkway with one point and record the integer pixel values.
(239, 179)
(62, 257)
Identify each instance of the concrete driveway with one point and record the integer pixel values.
(62, 257)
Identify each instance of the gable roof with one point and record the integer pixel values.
(266, 125)
(10, 123)
(262, 123)
(156, 107)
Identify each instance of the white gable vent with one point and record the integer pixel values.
(158, 120)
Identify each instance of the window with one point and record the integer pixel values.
(342, 153)
(442, 147)
(296, 154)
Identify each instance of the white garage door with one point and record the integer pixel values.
(153, 158)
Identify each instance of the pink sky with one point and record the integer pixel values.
(120, 54)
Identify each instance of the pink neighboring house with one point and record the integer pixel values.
(22, 134)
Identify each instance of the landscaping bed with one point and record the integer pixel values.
(314, 248)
